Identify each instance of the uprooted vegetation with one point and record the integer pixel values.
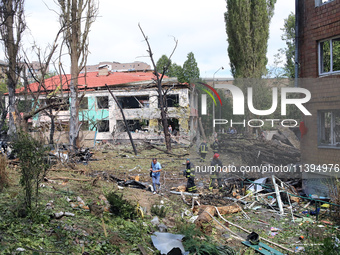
(87, 208)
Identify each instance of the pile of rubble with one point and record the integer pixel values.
(268, 197)
(282, 149)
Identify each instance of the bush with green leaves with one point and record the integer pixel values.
(33, 164)
(3, 173)
(121, 207)
(198, 243)
(159, 210)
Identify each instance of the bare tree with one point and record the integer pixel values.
(52, 100)
(12, 26)
(77, 16)
(161, 93)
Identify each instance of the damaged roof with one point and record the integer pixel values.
(92, 80)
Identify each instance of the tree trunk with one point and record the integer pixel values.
(74, 121)
(52, 126)
(11, 75)
(163, 114)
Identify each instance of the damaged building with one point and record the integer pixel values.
(319, 61)
(100, 116)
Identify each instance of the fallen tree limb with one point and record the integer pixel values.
(205, 216)
(183, 198)
(67, 178)
(165, 151)
(66, 170)
(247, 231)
(229, 230)
(184, 193)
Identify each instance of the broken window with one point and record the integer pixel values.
(321, 2)
(103, 102)
(103, 126)
(133, 102)
(84, 103)
(59, 104)
(170, 101)
(63, 126)
(24, 105)
(174, 124)
(134, 125)
(84, 125)
(329, 56)
(329, 128)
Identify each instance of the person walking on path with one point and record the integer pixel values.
(155, 173)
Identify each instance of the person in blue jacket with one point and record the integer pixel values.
(155, 173)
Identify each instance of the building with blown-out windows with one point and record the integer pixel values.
(100, 116)
(319, 72)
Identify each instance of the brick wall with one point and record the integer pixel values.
(315, 24)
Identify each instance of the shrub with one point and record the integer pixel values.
(197, 242)
(3, 173)
(159, 210)
(33, 164)
(334, 193)
(121, 207)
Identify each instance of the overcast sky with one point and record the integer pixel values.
(198, 25)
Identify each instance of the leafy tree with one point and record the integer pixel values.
(247, 27)
(3, 88)
(177, 71)
(191, 71)
(163, 65)
(289, 37)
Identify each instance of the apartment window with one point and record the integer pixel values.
(134, 125)
(329, 128)
(84, 103)
(24, 105)
(171, 101)
(84, 125)
(321, 2)
(329, 56)
(58, 104)
(103, 126)
(103, 102)
(133, 102)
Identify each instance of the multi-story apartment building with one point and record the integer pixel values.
(319, 72)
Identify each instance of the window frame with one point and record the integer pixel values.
(84, 101)
(100, 105)
(99, 127)
(320, 59)
(321, 129)
(320, 2)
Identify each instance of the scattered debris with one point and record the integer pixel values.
(259, 152)
(155, 221)
(166, 242)
(61, 214)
